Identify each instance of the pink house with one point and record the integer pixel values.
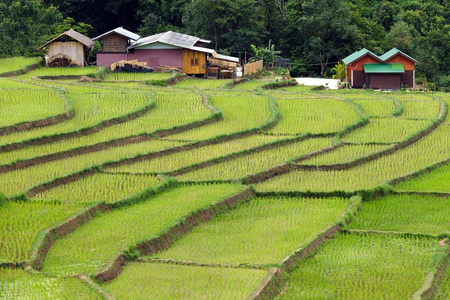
(168, 48)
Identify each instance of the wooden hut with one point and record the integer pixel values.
(116, 40)
(70, 48)
(392, 70)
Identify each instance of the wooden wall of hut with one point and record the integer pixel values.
(73, 49)
(194, 62)
(115, 43)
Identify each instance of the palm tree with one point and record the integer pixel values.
(339, 71)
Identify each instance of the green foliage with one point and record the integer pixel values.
(69, 23)
(323, 29)
(229, 24)
(24, 25)
(339, 71)
(268, 54)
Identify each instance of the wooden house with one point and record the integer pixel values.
(116, 40)
(169, 48)
(70, 48)
(392, 70)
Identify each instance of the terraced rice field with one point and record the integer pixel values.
(201, 191)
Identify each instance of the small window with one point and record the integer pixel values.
(194, 61)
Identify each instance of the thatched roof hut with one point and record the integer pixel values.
(70, 48)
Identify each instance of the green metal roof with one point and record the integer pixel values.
(384, 68)
(395, 51)
(358, 54)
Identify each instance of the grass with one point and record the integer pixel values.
(15, 63)
(22, 221)
(363, 267)
(241, 111)
(388, 130)
(16, 181)
(91, 246)
(262, 231)
(405, 213)
(342, 154)
(444, 292)
(19, 284)
(183, 282)
(61, 71)
(313, 116)
(100, 187)
(375, 172)
(91, 106)
(436, 180)
(172, 109)
(377, 107)
(202, 83)
(178, 160)
(251, 163)
(25, 104)
(421, 110)
(249, 85)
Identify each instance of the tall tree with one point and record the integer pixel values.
(230, 24)
(24, 25)
(323, 30)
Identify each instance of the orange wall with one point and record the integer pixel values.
(408, 65)
(359, 64)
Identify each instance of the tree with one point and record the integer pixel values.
(230, 24)
(268, 54)
(401, 37)
(24, 25)
(339, 71)
(323, 30)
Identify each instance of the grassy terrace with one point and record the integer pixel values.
(182, 282)
(349, 268)
(22, 221)
(24, 103)
(241, 111)
(91, 107)
(16, 181)
(395, 210)
(15, 63)
(89, 248)
(313, 115)
(262, 231)
(172, 109)
(375, 172)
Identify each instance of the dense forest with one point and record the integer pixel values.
(314, 34)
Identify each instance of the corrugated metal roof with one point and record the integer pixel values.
(75, 35)
(171, 38)
(384, 68)
(226, 57)
(395, 51)
(121, 31)
(358, 54)
(201, 49)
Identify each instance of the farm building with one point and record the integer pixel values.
(392, 70)
(117, 40)
(70, 48)
(169, 48)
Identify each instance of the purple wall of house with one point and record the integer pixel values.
(153, 57)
